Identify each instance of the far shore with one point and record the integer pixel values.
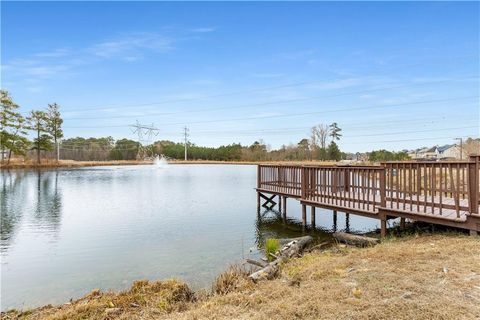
(45, 164)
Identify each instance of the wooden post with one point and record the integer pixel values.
(334, 220)
(304, 215)
(383, 227)
(346, 180)
(312, 216)
(304, 184)
(402, 223)
(259, 176)
(383, 187)
(473, 197)
(280, 203)
(347, 222)
(258, 203)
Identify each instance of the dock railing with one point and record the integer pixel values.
(429, 188)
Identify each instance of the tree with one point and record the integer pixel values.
(334, 152)
(319, 135)
(335, 131)
(54, 126)
(303, 149)
(12, 128)
(38, 122)
(124, 149)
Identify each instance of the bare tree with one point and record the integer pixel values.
(320, 135)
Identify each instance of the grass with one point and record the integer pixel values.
(271, 248)
(410, 277)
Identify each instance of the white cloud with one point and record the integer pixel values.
(132, 46)
(202, 30)
(56, 53)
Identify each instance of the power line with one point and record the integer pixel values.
(300, 114)
(283, 101)
(300, 129)
(410, 140)
(322, 112)
(280, 132)
(103, 107)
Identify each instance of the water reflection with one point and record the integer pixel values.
(17, 199)
(273, 224)
(48, 206)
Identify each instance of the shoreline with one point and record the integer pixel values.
(79, 164)
(417, 276)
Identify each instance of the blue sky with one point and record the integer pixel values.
(392, 75)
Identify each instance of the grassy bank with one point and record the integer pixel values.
(416, 277)
(72, 164)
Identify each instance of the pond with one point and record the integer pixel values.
(65, 232)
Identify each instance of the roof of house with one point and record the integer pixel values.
(446, 147)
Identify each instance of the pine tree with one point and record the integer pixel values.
(334, 152)
(12, 128)
(335, 131)
(38, 122)
(54, 125)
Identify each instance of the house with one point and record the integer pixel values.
(450, 152)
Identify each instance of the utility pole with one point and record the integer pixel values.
(145, 134)
(461, 147)
(185, 136)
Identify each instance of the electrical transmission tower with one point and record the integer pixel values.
(145, 133)
(185, 136)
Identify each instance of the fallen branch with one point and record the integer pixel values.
(291, 249)
(321, 246)
(256, 263)
(355, 240)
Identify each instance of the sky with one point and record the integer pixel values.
(392, 75)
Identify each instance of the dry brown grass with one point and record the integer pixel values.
(234, 279)
(418, 277)
(49, 163)
(144, 298)
(427, 277)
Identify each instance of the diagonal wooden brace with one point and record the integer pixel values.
(269, 203)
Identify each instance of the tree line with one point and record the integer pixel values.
(14, 127)
(46, 128)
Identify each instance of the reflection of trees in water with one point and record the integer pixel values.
(48, 207)
(273, 226)
(12, 202)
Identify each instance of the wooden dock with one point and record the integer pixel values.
(445, 193)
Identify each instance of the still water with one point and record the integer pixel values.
(65, 232)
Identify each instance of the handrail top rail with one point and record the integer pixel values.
(428, 162)
(299, 166)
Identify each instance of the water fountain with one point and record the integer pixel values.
(160, 161)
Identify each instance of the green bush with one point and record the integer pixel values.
(271, 246)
